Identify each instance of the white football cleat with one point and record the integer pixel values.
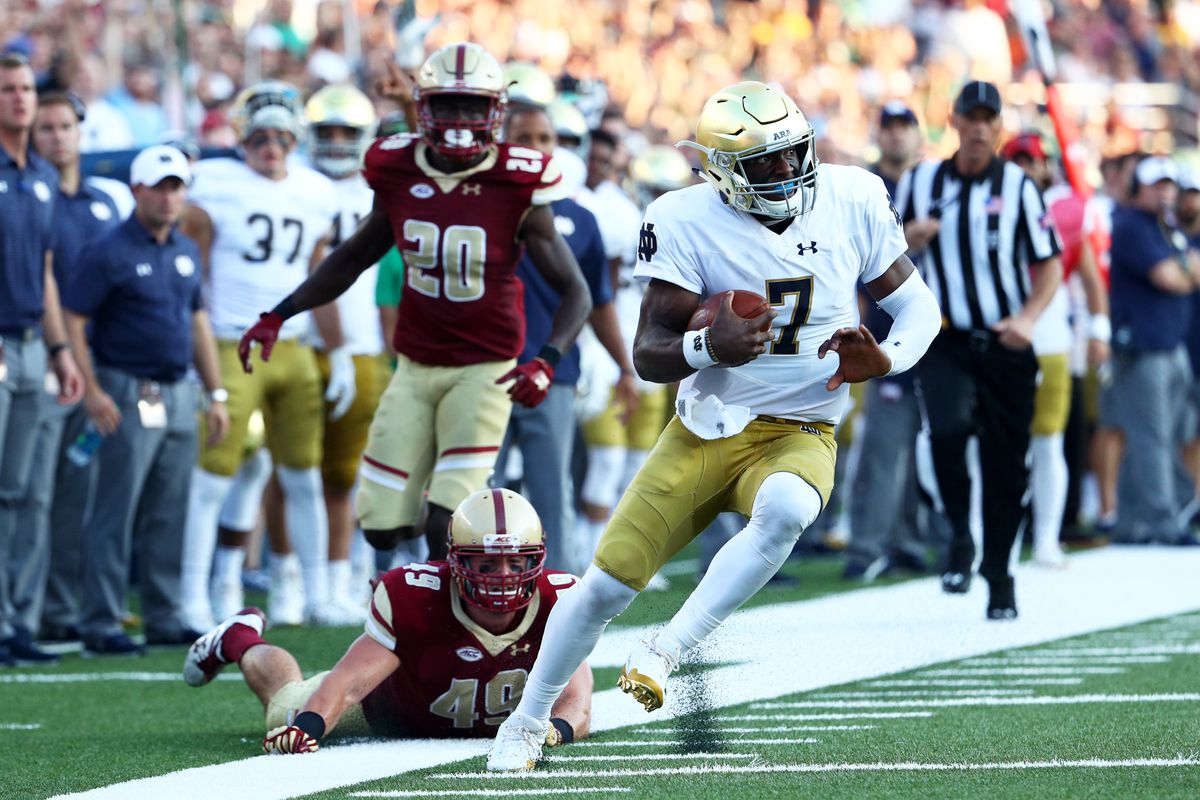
(205, 658)
(337, 613)
(645, 673)
(518, 744)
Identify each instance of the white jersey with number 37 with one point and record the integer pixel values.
(808, 273)
(264, 235)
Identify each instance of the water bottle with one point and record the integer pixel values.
(85, 445)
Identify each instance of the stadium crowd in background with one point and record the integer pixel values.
(625, 81)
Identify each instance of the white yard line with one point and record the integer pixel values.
(1063, 700)
(20, 726)
(91, 677)
(772, 651)
(797, 717)
(1151, 649)
(907, 766)
(963, 672)
(647, 743)
(977, 682)
(1051, 661)
(685, 566)
(760, 729)
(653, 757)
(884, 693)
(514, 793)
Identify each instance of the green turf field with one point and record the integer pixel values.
(1002, 724)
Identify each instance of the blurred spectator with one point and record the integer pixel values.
(105, 127)
(1153, 275)
(138, 100)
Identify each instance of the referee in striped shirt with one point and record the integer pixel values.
(978, 231)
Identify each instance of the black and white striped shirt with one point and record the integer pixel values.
(993, 226)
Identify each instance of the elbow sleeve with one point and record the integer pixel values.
(916, 320)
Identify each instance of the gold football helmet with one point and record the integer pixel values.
(527, 83)
(458, 71)
(339, 107)
(659, 169)
(742, 122)
(496, 522)
(270, 104)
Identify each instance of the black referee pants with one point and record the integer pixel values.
(970, 384)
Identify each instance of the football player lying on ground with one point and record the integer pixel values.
(447, 648)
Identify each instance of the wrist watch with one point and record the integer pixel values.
(218, 396)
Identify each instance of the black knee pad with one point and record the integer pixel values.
(384, 540)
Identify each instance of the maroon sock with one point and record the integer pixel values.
(237, 640)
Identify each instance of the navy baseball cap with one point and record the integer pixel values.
(896, 110)
(978, 94)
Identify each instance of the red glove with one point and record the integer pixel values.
(265, 332)
(289, 739)
(531, 382)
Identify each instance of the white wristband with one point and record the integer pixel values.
(1100, 328)
(696, 350)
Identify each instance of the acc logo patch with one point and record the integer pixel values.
(185, 265)
(421, 191)
(469, 654)
(101, 211)
(41, 191)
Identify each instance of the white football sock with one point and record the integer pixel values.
(339, 580)
(240, 510)
(308, 526)
(575, 624)
(602, 483)
(205, 497)
(1049, 479)
(228, 563)
(784, 506)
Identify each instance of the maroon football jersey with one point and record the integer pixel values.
(463, 303)
(455, 679)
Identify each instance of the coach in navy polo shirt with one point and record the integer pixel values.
(29, 311)
(139, 284)
(1153, 276)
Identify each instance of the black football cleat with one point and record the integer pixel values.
(956, 577)
(1002, 599)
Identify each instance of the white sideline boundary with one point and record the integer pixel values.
(843, 638)
(735, 769)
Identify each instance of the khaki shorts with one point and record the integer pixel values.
(642, 430)
(435, 426)
(346, 438)
(686, 481)
(1052, 403)
(290, 699)
(288, 391)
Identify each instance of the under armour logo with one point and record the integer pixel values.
(647, 242)
(472, 188)
(810, 249)
(518, 649)
(165, 158)
(143, 269)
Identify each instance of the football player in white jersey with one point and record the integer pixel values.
(341, 126)
(263, 222)
(757, 405)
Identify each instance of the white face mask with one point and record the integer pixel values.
(709, 418)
